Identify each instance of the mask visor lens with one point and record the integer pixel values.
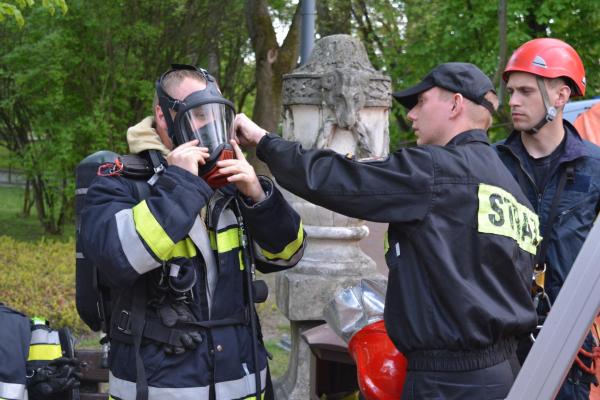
(211, 124)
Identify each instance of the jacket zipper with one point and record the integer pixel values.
(540, 195)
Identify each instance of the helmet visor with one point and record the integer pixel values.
(211, 124)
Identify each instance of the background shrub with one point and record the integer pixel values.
(38, 279)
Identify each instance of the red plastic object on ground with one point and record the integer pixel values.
(380, 367)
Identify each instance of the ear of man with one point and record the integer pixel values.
(457, 103)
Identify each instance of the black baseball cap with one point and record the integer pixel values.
(456, 77)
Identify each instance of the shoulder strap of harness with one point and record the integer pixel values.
(567, 174)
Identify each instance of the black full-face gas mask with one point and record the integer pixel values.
(204, 115)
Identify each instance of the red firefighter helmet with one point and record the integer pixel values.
(549, 58)
(380, 367)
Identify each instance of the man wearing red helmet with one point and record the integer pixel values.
(558, 171)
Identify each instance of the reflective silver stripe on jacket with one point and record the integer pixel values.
(43, 336)
(12, 391)
(125, 390)
(199, 236)
(258, 253)
(140, 259)
(240, 388)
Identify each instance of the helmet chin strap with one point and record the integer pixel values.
(550, 110)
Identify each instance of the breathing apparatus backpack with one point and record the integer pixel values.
(92, 294)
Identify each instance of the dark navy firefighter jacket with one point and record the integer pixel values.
(460, 242)
(576, 211)
(128, 239)
(579, 202)
(15, 336)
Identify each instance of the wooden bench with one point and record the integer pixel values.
(94, 378)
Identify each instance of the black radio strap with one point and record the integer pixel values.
(568, 174)
(138, 319)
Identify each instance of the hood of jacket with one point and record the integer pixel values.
(143, 136)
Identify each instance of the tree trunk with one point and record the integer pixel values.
(272, 62)
(27, 203)
(502, 48)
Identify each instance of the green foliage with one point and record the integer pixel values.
(5, 158)
(38, 272)
(408, 38)
(38, 279)
(13, 9)
(73, 84)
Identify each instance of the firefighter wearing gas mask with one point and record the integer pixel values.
(176, 235)
(204, 115)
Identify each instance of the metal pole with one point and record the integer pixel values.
(565, 328)
(307, 38)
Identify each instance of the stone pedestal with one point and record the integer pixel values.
(336, 101)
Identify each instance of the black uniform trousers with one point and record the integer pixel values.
(481, 384)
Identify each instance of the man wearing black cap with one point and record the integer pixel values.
(461, 235)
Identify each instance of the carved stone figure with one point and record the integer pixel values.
(336, 101)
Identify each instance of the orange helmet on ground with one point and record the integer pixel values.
(549, 58)
(380, 367)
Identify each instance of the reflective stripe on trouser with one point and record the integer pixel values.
(12, 391)
(125, 390)
(242, 388)
(44, 345)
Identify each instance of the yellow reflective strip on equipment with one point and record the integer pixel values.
(44, 352)
(39, 321)
(155, 236)
(501, 214)
(386, 243)
(228, 240)
(242, 266)
(289, 250)
(213, 240)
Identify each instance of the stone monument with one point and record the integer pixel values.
(340, 102)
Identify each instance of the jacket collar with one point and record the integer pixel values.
(574, 145)
(473, 135)
(143, 136)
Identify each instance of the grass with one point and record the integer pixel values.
(4, 160)
(24, 229)
(278, 365)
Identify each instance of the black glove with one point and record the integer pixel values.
(173, 313)
(58, 376)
